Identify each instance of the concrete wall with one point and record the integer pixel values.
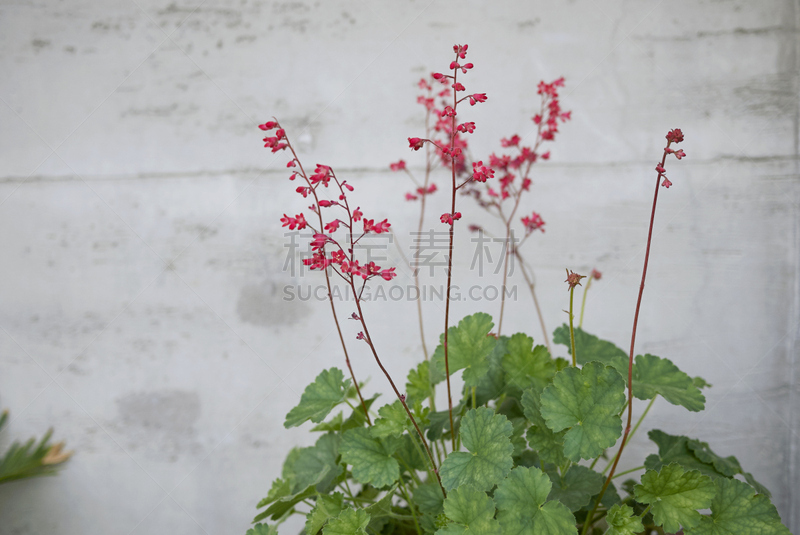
(141, 306)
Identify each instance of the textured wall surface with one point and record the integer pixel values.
(142, 312)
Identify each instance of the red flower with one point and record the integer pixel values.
(333, 226)
(388, 274)
(675, 136)
(321, 174)
(481, 173)
(411, 197)
(298, 222)
(477, 97)
(511, 142)
(377, 228)
(415, 143)
(319, 241)
(533, 223)
(466, 127)
(269, 125)
(596, 275)
(680, 154)
(357, 214)
(398, 165)
(666, 183)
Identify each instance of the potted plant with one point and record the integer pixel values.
(531, 443)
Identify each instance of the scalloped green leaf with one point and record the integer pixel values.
(727, 466)
(470, 512)
(587, 402)
(280, 506)
(493, 384)
(429, 498)
(328, 506)
(348, 522)
(262, 529)
(280, 489)
(527, 366)
(487, 437)
(393, 421)
(737, 509)
(319, 398)
(523, 508)
(675, 496)
(576, 487)
(654, 375)
(622, 521)
(549, 445)
(421, 380)
(589, 347)
(311, 462)
(370, 458)
(469, 345)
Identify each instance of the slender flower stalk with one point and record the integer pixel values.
(673, 136)
(453, 154)
(573, 279)
(313, 191)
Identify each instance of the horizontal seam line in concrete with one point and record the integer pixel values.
(11, 179)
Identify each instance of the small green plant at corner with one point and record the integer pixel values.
(532, 442)
(31, 459)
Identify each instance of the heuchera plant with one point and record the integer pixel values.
(518, 452)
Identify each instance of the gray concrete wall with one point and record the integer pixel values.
(141, 306)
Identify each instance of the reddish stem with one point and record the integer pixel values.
(630, 357)
(450, 259)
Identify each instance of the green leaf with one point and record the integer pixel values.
(421, 381)
(675, 449)
(470, 511)
(589, 347)
(262, 529)
(284, 504)
(319, 398)
(701, 383)
(576, 487)
(653, 376)
(334, 424)
(349, 522)
(380, 511)
(675, 496)
(727, 466)
(526, 366)
(622, 521)
(23, 461)
(736, 509)
(519, 426)
(493, 384)
(587, 402)
(469, 345)
(280, 489)
(486, 436)
(429, 499)
(408, 454)
(311, 462)
(394, 421)
(370, 458)
(328, 506)
(549, 445)
(522, 506)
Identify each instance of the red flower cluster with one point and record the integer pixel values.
(673, 136)
(341, 259)
(533, 222)
(421, 192)
(450, 218)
